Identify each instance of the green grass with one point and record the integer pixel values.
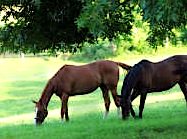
(168, 123)
(22, 80)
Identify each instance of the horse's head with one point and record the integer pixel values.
(124, 107)
(41, 113)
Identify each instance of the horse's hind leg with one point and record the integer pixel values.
(106, 99)
(64, 108)
(183, 87)
(116, 98)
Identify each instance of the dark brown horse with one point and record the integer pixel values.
(73, 80)
(146, 77)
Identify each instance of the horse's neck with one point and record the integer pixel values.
(47, 94)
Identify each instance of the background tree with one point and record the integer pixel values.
(107, 18)
(41, 25)
(163, 16)
(64, 25)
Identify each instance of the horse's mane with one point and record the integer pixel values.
(51, 86)
(48, 90)
(130, 80)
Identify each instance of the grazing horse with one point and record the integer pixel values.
(73, 80)
(146, 77)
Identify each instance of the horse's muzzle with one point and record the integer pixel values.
(38, 121)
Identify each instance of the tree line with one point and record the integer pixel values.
(33, 26)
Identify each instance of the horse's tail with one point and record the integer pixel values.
(124, 66)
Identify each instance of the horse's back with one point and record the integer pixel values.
(109, 72)
(181, 64)
(164, 74)
(176, 64)
(107, 66)
(86, 78)
(98, 67)
(78, 73)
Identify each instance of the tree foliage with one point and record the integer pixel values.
(42, 25)
(163, 16)
(107, 18)
(64, 25)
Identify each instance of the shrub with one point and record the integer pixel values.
(97, 51)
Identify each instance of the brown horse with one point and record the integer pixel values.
(73, 80)
(146, 77)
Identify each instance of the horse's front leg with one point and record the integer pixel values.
(64, 108)
(142, 103)
(132, 111)
(117, 99)
(183, 87)
(133, 96)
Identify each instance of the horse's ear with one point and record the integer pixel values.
(34, 101)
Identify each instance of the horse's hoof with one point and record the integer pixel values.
(136, 117)
(105, 115)
(118, 111)
(140, 117)
(125, 117)
(62, 121)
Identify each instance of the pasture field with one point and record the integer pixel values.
(22, 80)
